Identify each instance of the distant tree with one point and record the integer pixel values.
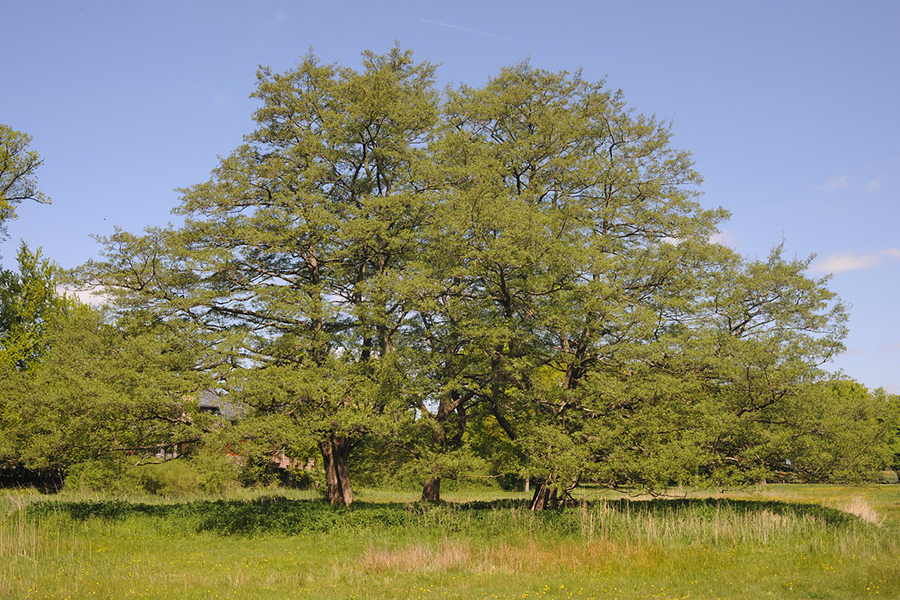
(29, 299)
(18, 166)
(102, 392)
(846, 438)
(713, 398)
(769, 330)
(27, 296)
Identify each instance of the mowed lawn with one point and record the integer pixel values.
(773, 541)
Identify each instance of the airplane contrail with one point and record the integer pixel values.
(476, 31)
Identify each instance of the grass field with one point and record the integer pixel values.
(774, 541)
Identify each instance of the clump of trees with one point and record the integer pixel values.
(74, 387)
(516, 277)
(27, 296)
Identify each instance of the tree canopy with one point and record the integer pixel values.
(28, 297)
(381, 264)
(18, 180)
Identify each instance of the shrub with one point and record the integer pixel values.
(886, 477)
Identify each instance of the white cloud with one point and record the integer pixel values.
(723, 238)
(875, 184)
(851, 261)
(833, 184)
(277, 20)
(90, 297)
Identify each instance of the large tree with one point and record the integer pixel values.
(292, 251)
(572, 292)
(568, 236)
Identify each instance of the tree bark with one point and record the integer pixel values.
(544, 497)
(450, 404)
(335, 452)
(431, 491)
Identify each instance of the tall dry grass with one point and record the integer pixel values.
(859, 506)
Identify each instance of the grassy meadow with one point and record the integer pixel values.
(773, 541)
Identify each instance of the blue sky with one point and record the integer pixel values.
(790, 108)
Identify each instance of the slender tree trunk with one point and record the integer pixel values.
(431, 491)
(335, 452)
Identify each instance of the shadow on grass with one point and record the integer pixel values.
(282, 516)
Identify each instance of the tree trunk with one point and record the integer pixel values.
(431, 491)
(335, 452)
(544, 497)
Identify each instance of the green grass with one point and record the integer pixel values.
(786, 542)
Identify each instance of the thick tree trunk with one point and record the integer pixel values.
(544, 497)
(431, 491)
(335, 452)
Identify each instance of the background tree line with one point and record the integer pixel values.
(511, 280)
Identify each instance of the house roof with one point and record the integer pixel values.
(214, 401)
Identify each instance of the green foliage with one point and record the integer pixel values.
(104, 475)
(217, 472)
(18, 165)
(511, 280)
(29, 301)
(291, 253)
(28, 298)
(178, 478)
(575, 296)
(846, 439)
(102, 392)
